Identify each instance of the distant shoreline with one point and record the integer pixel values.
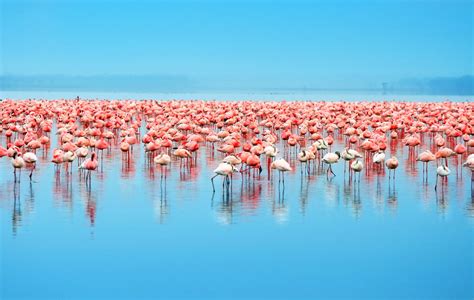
(316, 95)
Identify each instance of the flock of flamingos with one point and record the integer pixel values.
(251, 136)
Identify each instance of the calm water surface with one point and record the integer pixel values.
(134, 235)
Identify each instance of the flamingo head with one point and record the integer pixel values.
(338, 154)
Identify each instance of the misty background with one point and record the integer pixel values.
(191, 46)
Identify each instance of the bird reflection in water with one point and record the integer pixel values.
(128, 168)
(30, 200)
(470, 206)
(279, 209)
(332, 193)
(16, 215)
(392, 199)
(161, 205)
(304, 188)
(250, 195)
(226, 209)
(379, 200)
(90, 203)
(63, 190)
(442, 203)
(356, 201)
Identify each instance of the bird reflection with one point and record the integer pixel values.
(280, 210)
(304, 186)
(16, 215)
(392, 200)
(250, 195)
(470, 207)
(226, 210)
(378, 195)
(30, 201)
(356, 202)
(89, 200)
(442, 203)
(63, 191)
(161, 206)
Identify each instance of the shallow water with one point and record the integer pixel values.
(134, 235)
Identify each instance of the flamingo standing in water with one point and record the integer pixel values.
(224, 169)
(392, 165)
(57, 158)
(182, 154)
(270, 152)
(101, 146)
(282, 166)
(330, 159)
(68, 158)
(17, 163)
(379, 158)
(348, 155)
(81, 154)
(444, 153)
(425, 157)
(163, 160)
(357, 167)
(125, 148)
(442, 171)
(232, 159)
(305, 156)
(90, 165)
(30, 158)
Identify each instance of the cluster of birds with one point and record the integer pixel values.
(244, 132)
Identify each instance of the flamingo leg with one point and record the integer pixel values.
(32, 169)
(212, 181)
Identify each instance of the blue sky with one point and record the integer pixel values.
(335, 44)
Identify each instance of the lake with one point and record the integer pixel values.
(135, 235)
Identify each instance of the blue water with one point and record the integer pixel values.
(133, 235)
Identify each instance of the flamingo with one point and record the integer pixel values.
(425, 157)
(90, 165)
(442, 171)
(305, 156)
(30, 158)
(357, 166)
(232, 159)
(282, 166)
(58, 158)
(271, 152)
(349, 154)
(182, 154)
(379, 158)
(81, 153)
(444, 153)
(163, 160)
(224, 169)
(392, 164)
(17, 163)
(68, 158)
(125, 148)
(330, 159)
